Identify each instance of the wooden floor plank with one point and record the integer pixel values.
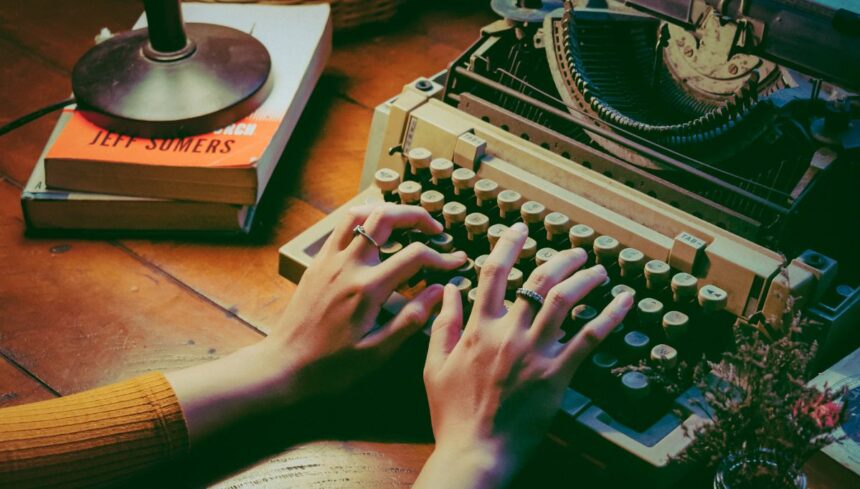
(60, 32)
(16, 387)
(78, 314)
(26, 83)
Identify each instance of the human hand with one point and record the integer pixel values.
(326, 338)
(494, 388)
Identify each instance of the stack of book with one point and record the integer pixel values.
(88, 178)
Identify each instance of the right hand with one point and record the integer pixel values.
(494, 388)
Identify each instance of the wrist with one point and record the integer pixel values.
(475, 465)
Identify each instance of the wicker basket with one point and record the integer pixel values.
(345, 14)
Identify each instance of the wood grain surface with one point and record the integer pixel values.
(76, 313)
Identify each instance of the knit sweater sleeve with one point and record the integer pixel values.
(98, 437)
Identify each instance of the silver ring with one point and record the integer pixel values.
(530, 295)
(359, 229)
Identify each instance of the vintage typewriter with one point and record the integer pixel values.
(704, 151)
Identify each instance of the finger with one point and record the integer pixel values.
(577, 349)
(561, 299)
(342, 234)
(401, 266)
(494, 272)
(411, 318)
(446, 330)
(544, 278)
(388, 216)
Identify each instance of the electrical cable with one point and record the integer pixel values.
(15, 124)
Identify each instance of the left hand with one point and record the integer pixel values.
(327, 335)
(326, 339)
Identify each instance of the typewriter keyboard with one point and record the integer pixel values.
(676, 317)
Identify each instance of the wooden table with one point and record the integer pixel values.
(79, 313)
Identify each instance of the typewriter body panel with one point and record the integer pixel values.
(512, 109)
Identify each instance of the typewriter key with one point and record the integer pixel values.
(419, 165)
(631, 262)
(684, 287)
(486, 191)
(410, 192)
(543, 255)
(656, 275)
(494, 233)
(387, 180)
(582, 236)
(664, 355)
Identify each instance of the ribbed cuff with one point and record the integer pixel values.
(93, 438)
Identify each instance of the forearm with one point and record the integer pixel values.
(217, 394)
(98, 437)
(464, 469)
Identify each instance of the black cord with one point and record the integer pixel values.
(35, 115)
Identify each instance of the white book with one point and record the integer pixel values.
(845, 374)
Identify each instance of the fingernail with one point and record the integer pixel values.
(626, 299)
(519, 227)
(460, 254)
(599, 269)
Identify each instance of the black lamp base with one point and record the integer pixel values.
(220, 76)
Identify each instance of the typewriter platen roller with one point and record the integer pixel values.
(596, 124)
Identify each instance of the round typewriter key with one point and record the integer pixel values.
(606, 250)
(635, 385)
(532, 213)
(494, 232)
(466, 269)
(486, 191)
(419, 158)
(581, 315)
(581, 236)
(620, 289)
(631, 262)
(712, 298)
(410, 192)
(603, 362)
(464, 180)
(509, 201)
(386, 179)
(543, 255)
(649, 311)
(464, 285)
(471, 296)
(453, 212)
(515, 281)
(528, 251)
(675, 325)
(684, 287)
(479, 262)
(441, 169)
(557, 226)
(389, 248)
(477, 224)
(432, 201)
(664, 355)
(442, 242)
(637, 344)
(657, 274)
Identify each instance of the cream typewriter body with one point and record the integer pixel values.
(700, 249)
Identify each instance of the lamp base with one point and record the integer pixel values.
(124, 86)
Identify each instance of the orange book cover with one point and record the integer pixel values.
(238, 145)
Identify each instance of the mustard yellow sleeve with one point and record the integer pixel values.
(94, 438)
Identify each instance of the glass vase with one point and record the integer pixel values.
(758, 469)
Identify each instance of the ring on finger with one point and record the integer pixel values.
(359, 230)
(531, 295)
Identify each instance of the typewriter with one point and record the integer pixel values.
(704, 151)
